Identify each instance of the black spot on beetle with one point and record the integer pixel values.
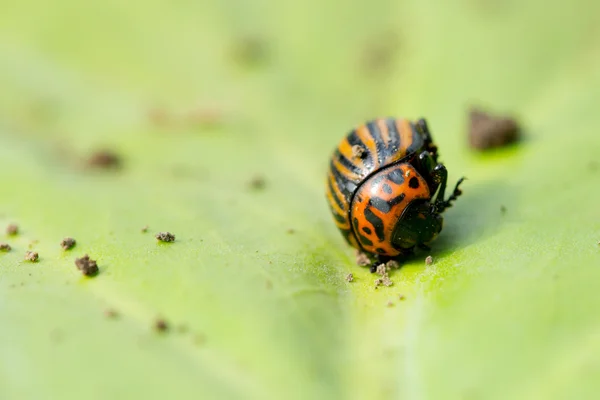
(355, 222)
(380, 250)
(396, 176)
(413, 182)
(386, 188)
(367, 230)
(379, 204)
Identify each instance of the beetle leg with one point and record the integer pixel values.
(440, 175)
(455, 193)
(440, 178)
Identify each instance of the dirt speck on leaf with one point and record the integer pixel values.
(87, 266)
(12, 230)
(105, 159)
(159, 116)
(205, 117)
(5, 247)
(362, 259)
(145, 229)
(503, 209)
(429, 260)
(389, 303)
(381, 270)
(111, 313)
(258, 183)
(392, 264)
(67, 243)
(384, 280)
(31, 256)
(379, 53)
(250, 50)
(488, 131)
(166, 237)
(291, 231)
(199, 339)
(401, 297)
(160, 325)
(350, 277)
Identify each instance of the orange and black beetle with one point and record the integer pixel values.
(386, 188)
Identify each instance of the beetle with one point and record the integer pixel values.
(386, 188)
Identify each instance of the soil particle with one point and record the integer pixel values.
(31, 256)
(199, 339)
(160, 325)
(104, 159)
(384, 280)
(362, 259)
(250, 50)
(86, 266)
(165, 237)
(350, 277)
(357, 151)
(387, 281)
(291, 231)
(111, 313)
(5, 247)
(258, 183)
(401, 297)
(205, 117)
(488, 131)
(429, 260)
(159, 116)
(12, 230)
(381, 270)
(68, 243)
(389, 303)
(392, 264)
(379, 52)
(145, 229)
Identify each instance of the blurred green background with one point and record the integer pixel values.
(201, 98)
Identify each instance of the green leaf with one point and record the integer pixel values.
(200, 99)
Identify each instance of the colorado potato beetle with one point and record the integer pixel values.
(386, 188)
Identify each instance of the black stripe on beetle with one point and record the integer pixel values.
(393, 133)
(376, 222)
(349, 165)
(334, 195)
(376, 135)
